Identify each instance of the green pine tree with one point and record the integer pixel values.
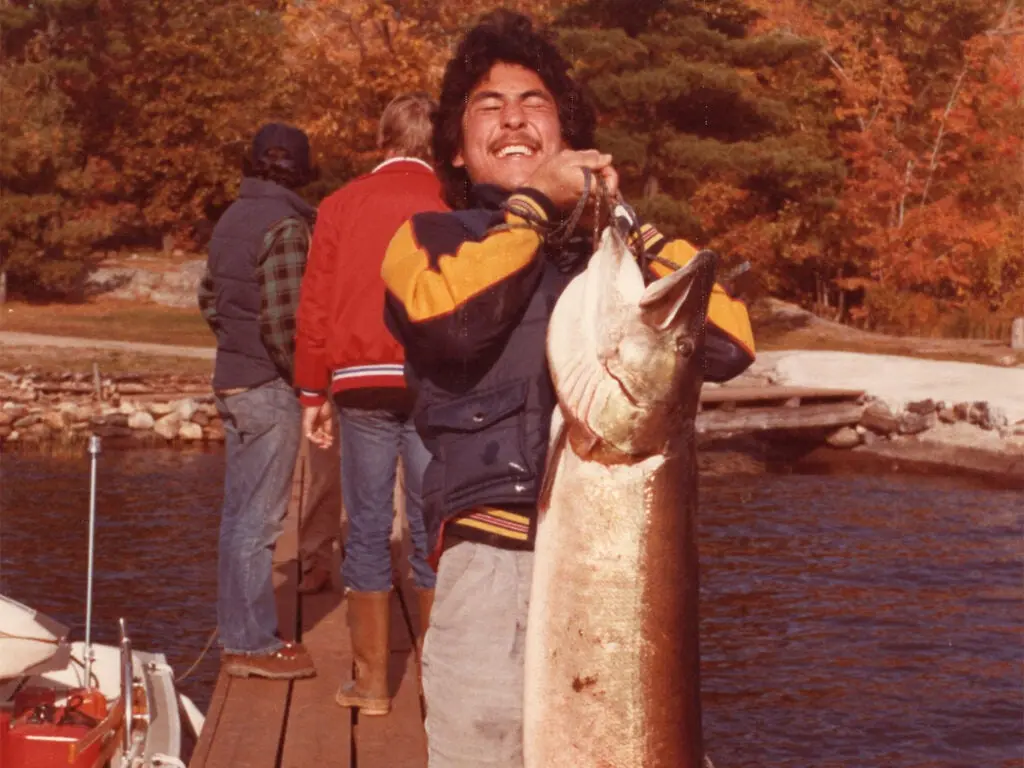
(687, 97)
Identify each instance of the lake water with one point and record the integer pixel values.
(847, 621)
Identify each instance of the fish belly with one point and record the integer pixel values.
(591, 646)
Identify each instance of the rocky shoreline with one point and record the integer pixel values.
(917, 414)
(977, 436)
(37, 409)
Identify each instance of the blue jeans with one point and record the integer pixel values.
(371, 442)
(261, 435)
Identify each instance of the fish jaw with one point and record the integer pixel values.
(625, 358)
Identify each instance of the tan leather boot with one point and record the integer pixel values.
(368, 618)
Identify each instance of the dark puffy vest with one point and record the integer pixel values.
(487, 431)
(242, 359)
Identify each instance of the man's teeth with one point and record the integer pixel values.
(515, 150)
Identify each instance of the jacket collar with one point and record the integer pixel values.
(487, 196)
(394, 160)
(261, 188)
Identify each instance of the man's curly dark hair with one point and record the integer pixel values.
(507, 37)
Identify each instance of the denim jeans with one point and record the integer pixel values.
(261, 436)
(371, 442)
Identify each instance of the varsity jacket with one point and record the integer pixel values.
(471, 308)
(341, 341)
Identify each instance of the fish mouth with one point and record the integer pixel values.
(626, 393)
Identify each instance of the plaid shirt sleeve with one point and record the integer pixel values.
(281, 265)
(208, 300)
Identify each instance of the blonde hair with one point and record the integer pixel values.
(407, 125)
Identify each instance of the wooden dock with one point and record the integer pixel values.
(254, 723)
(767, 409)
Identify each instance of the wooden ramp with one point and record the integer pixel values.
(276, 724)
(765, 409)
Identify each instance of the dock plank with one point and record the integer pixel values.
(739, 395)
(201, 753)
(319, 732)
(397, 739)
(229, 738)
(765, 419)
(248, 731)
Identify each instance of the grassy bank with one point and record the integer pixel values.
(109, 319)
(111, 362)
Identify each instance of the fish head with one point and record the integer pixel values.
(627, 358)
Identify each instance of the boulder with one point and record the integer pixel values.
(981, 415)
(844, 437)
(191, 432)
(915, 423)
(15, 410)
(141, 420)
(185, 408)
(26, 421)
(73, 410)
(947, 416)
(879, 419)
(167, 426)
(117, 420)
(921, 407)
(159, 409)
(200, 418)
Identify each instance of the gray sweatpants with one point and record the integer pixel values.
(473, 658)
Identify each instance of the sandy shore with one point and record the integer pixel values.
(985, 403)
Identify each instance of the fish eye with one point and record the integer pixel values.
(684, 346)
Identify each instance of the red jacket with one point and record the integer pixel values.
(341, 341)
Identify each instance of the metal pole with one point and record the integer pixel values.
(127, 686)
(94, 450)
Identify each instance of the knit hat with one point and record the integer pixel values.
(287, 137)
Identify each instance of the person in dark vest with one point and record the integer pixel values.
(470, 294)
(249, 296)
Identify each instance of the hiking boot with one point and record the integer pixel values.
(315, 580)
(289, 662)
(369, 615)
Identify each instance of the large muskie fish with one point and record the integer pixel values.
(612, 660)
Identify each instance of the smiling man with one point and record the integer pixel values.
(470, 293)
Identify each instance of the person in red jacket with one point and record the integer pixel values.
(345, 353)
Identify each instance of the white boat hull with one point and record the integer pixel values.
(27, 638)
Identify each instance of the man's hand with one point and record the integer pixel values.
(318, 424)
(561, 177)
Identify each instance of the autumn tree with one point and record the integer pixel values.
(349, 58)
(125, 121)
(923, 216)
(47, 221)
